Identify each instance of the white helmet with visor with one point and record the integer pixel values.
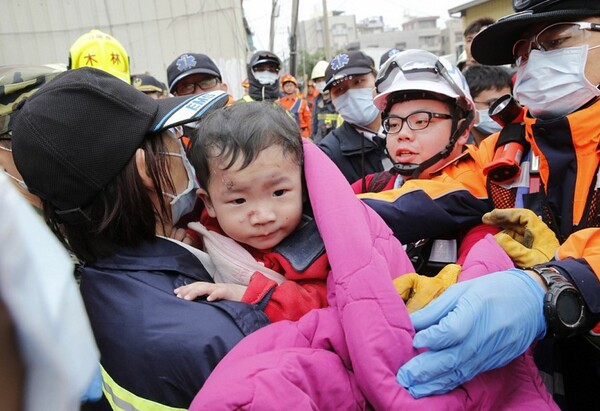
(411, 73)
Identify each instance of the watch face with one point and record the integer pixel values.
(568, 308)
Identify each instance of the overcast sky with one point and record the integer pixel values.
(258, 14)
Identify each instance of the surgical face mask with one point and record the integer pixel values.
(320, 85)
(486, 125)
(552, 84)
(20, 182)
(356, 106)
(265, 77)
(184, 202)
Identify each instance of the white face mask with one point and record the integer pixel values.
(265, 77)
(184, 202)
(356, 106)
(486, 125)
(320, 85)
(552, 84)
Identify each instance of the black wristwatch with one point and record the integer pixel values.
(564, 308)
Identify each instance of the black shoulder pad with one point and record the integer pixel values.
(303, 246)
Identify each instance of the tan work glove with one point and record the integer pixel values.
(418, 290)
(525, 237)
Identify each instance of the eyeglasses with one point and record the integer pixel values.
(183, 89)
(553, 37)
(418, 120)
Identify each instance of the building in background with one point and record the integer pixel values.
(373, 37)
(475, 9)
(153, 32)
(342, 31)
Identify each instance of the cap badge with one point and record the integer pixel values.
(339, 61)
(186, 62)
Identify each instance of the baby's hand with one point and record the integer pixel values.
(219, 291)
(180, 234)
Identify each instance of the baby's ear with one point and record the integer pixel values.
(203, 195)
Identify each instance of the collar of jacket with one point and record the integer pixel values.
(351, 140)
(157, 255)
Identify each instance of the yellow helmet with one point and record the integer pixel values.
(102, 51)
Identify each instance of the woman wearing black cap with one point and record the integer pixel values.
(113, 177)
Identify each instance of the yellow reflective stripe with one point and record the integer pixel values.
(122, 400)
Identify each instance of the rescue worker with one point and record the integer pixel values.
(356, 146)
(324, 116)
(150, 86)
(311, 94)
(295, 104)
(263, 77)
(101, 51)
(547, 161)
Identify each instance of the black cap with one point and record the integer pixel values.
(148, 84)
(77, 133)
(188, 64)
(386, 56)
(264, 56)
(493, 45)
(346, 64)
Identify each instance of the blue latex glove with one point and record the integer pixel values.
(94, 390)
(474, 326)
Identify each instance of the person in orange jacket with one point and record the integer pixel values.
(295, 104)
(311, 94)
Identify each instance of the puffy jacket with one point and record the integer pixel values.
(156, 349)
(345, 357)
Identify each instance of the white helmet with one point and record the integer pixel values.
(319, 69)
(420, 70)
(411, 72)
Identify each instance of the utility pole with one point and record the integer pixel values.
(293, 40)
(274, 15)
(326, 32)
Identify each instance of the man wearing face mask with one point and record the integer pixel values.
(484, 323)
(263, 77)
(324, 116)
(356, 146)
(486, 84)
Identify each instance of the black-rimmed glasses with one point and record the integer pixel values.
(418, 120)
(183, 89)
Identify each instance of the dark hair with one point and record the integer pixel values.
(481, 78)
(475, 26)
(243, 130)
(122, 214)
(406, 95)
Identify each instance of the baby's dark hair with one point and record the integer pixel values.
(481, 78)
(243, 130)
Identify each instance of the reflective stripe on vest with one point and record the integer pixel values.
(122, 400)
(295, 110)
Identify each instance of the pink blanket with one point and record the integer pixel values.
(345, 357)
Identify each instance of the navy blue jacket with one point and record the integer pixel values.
(153, 344)
(355, 155)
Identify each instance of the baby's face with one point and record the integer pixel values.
(259, 205)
